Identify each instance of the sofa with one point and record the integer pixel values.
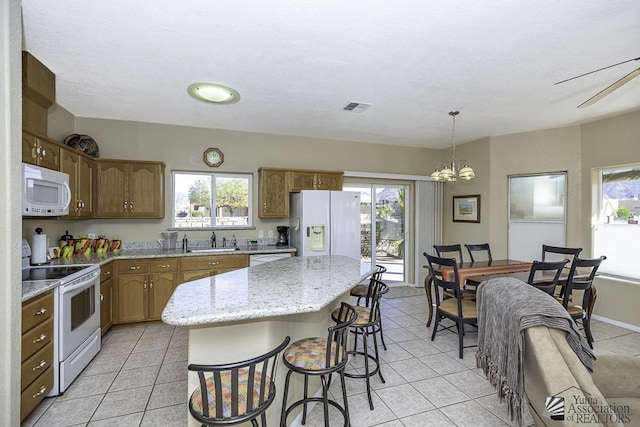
(533, 353)
(610, 396)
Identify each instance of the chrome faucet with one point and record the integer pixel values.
(214, 244)
(234, 241)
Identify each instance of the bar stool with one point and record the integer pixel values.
(361, 291)
(236, 392)
(368, 324)
(323, 357)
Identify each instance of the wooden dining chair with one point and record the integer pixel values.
(441, 250)
(460, 310)
(479, 247)
(582, 281)
(547, 285)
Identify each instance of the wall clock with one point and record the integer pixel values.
(213, 157)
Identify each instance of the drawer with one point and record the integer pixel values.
(106, 271)
(127, 266)
(34, 366)
(214, 262)
(163, 265)
(37, 338)
(36, 311)
(34, 393)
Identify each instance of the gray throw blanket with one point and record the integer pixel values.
(506, 307)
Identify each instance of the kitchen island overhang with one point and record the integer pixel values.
(244, 313)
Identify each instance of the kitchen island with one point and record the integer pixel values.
(244, 313)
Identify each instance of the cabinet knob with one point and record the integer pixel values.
(107, 273)
(214, 263)
(40, 338)
(40, 365)
(164, 266)
(125, 206)
(137, 267)
(144, 286)
(40, 312)
(44, 153)
(101, 297)
(131, 206)
(265, 206)
(43, 389)
(34, 151)
(151, 284)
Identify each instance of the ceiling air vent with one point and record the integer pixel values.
(356, 107)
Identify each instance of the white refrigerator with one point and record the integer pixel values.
(325, 223)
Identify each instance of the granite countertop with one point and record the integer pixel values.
(34, 288)
(287, 286)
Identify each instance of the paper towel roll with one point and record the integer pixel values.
(39, 249)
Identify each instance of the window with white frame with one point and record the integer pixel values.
(212, 200)
(617, 232)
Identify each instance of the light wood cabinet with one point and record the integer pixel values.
(274, 193)
(36, 377)
(198, 267)
(37, 150)
(106, 297)
(130, 189)
(143, 288)
(81, 178)
(314, 180)
(276, 184)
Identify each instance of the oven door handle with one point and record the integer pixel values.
(70, 287)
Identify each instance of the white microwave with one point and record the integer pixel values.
(45, 192)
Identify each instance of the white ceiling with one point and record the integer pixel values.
(297, 63)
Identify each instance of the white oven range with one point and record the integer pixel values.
(76, 337)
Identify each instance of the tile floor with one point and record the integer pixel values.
(139, 377)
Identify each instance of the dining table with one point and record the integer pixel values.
(467, 270)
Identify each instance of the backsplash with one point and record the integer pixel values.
(197, 243)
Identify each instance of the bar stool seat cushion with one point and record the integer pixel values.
(309, 354)
(364, 315)
(360, 291)
(225, 379)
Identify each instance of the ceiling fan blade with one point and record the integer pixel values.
(595, 71)
(598, 96)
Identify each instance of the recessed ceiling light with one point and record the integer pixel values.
(213, 93)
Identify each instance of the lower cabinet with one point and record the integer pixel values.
(144, 287)
(36, 377)
(198, 267)
(106, 297)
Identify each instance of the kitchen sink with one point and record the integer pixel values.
(213, 250)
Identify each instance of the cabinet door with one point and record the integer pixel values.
(132, 297)
(110, 189)
(29, 144)
(69, 164)
(274, 194)
(161, 287)
(302, 180)
(38, 151)
(106, 305)
(329, 181)
(145, 190)
(49, 154)
(85, 187)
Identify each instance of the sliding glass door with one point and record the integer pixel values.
(383, 228)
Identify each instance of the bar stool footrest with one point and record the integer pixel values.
(371, 373)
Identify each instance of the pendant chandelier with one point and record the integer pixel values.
(451, 172)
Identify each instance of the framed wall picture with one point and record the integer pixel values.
(466, 208)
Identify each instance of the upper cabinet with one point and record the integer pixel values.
(274, 193)
(276, 184)
(37, 150)
(80, 169)
(314, 180)
(131, 189)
